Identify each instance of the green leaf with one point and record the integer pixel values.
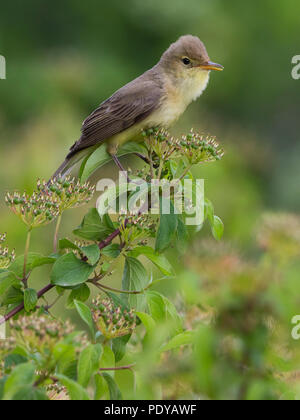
(93, 227)
(209, 211)
(162, 310)
(65, 243)
(119, 301)
(167, 228)
(86, 315)
(75, 390)
(135, 278)
(92, 252)
(22, 375)
(114, 391)
(64, 355)
(108, 359)
(88, 363)
(119, 347)
(33, 260)
(182, 234)
(159, 260)
(13, 360)
(100, 387)
(84, 161)
(100, 157)
(13, 296)
(7, 279)
(173, 317)
(29, 393)
(30, 299)
(70, 271)
(81, 293)
(218, 228)
(147, 321)
(112, 251)
(70, 370)
(60, 290)
(179, 340)
(2, 385)
(39, 262)
(157, 306)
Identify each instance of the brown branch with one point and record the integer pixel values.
(20, 307)
(111, 237)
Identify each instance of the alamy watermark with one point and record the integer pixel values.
(2, 67)
(296, 329)
(296, 69)
(157, 197)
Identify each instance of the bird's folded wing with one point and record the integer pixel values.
(131, 104)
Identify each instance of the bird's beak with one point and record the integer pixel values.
(211, 66)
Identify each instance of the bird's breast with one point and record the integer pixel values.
(178, 96)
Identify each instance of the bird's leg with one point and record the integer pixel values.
(118, 163)
(120, 166)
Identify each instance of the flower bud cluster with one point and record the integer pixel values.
(111, 320)
(41, 333)
(6, 257)
(194, 146)
(49, 201)
(68, 192)
(139, 227)
(34, 210)
(200, 149)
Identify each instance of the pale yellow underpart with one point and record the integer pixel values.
(179, 94)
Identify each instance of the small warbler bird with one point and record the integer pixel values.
(155, 99)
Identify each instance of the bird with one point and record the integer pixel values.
(157, 99)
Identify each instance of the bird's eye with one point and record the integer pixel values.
(186, 61)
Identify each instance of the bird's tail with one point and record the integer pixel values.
(67, 166)
(63, 170)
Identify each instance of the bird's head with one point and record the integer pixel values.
(186, 57)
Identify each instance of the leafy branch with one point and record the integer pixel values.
(116, 314)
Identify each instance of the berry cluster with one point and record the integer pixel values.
(139, 228)
(68, 192)
(6, 257)
(36, 210)
(194, 146)
(160, 143)
(49, 201)
(111, 320)
(200, 149)
(41, 333)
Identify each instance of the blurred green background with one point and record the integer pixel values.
(65, 57)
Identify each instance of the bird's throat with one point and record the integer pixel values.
(191, 88)
(180, 93)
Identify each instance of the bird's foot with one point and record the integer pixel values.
(120, 166)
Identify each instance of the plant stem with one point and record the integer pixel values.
(111, 237)
(161, 165)
(151, 162)
(125, 292)
(20, 307)
(117, 368)
(185, 172)
(53, 303)
(58, 223)
(26, 256)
